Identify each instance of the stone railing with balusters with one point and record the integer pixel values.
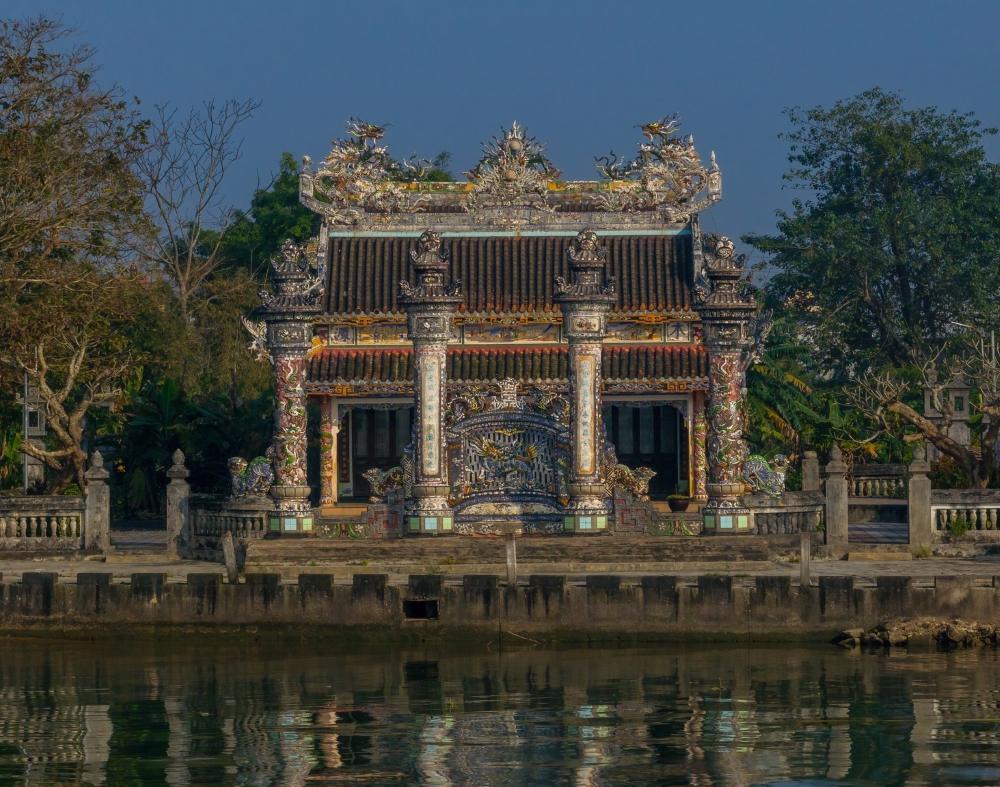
(792, 513)
(50, 523)
(211, 518)
(975, 512)
(885, 481)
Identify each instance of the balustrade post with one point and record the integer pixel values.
(836, 502)
(97, 531)
(919, 498)
(178, 507)
(810, 472)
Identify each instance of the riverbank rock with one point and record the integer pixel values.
(916, 632)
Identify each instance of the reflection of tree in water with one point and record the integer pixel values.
(134, 713)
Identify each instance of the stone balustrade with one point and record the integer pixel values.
(794, 512)
(885, 481)
(50, 523)
(975, 511)
(211, 518)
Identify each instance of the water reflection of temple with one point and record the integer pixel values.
(704, 717)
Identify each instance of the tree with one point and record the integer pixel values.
(275, 215)
(74, 346)
(895, 253)
(898, 239)
(183, 170)
(69, 204)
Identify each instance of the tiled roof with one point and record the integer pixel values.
(510, 274)
(625, 362)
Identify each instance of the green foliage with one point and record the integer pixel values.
(898, 238)
(275, 215)
(959, 526)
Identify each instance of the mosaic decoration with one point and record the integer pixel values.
(387, 333)
(327, 456)
(290, 422)
(699, 440)
(764, 477)
(250, 479)
(634, 480)
(341, 334)
(666, 176)
(586, 374)
(296, 278)
(507, 447)
(258, 342)
(430, 415)
(510, 334)
(727, 448)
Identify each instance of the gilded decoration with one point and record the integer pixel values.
(666, 176)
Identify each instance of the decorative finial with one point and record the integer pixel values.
(178, 458)
(96, 459)
(586, 248)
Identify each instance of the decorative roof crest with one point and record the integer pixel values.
(667, 175)
(513, 172)
(358, 176)
(294, 275)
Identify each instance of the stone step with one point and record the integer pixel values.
(873, 555)
(533, 549)
(135, 556)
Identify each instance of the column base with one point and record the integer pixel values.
(292, 515)
(591, 523)
(726, 520)
(428, 516)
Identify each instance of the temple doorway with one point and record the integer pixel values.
(376, 437)
(653, 436)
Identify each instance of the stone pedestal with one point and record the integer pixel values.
(585, 301)
(810, 472)
(430, 310)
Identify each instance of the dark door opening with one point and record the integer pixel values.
(653, 436)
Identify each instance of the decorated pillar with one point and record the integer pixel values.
(728, 313)
(430, 311)
(699, 448)
(329, 427)
(288, 316)
(585, 301)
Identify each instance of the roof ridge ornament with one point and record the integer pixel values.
(513, 173)
(358, 177)
(666, 175)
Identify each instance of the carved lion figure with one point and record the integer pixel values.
(250, 479)
(634, 480)
(764, 477)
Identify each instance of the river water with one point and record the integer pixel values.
(187, 711)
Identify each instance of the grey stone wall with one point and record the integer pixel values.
(559, 607)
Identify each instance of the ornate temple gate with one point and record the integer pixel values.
(508, 456)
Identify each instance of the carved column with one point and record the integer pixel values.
(699, 448)
(288, 316)
(329, 428)
(585, 301)
(430, 310)
(727, 312)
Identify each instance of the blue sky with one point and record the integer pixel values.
(579, 75)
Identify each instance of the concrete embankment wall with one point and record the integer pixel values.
(550, 607)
